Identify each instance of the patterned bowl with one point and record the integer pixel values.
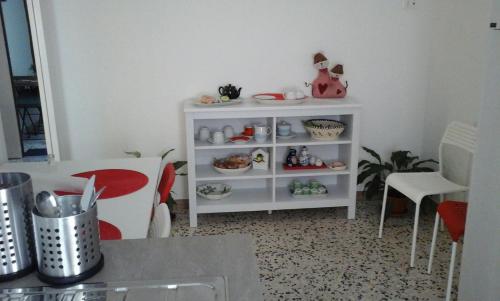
(324, 129)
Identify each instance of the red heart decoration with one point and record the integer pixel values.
(322, 88)
(339, 91)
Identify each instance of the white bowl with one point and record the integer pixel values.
(217, 194)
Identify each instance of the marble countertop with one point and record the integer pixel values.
(174, 258)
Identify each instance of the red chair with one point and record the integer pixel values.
(453, 214)
(165, 185)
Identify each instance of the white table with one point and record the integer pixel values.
(130, 213)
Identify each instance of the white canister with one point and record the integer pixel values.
(228, 131)
(203, 134)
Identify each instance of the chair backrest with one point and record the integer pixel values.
(160, 225)
(166, 182)
(461, 137)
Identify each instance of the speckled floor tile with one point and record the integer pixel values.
(318, 254)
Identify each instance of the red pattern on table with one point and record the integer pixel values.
(118, 182)
(109, 231)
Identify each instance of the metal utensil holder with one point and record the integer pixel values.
(67, 247)
(16, 236)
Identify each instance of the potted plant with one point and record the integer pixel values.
(374, 173)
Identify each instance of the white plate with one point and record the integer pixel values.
(210, 140)
(280, 102)
(236, 101)
(292, 135)
(339, 168)
(217, 194)
(240, 141)
(232, 172)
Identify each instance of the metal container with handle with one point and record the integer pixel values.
(67, 247)
(16, 236)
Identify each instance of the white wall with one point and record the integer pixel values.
(457, 66)
(480, 272)
(16, 27)
(7, 108)
(121, 69)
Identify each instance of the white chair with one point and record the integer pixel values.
(160, 225)
(416, 186)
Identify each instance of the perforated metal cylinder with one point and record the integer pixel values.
(69, 246)
(16, 238)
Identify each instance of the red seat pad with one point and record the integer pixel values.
(453, 214)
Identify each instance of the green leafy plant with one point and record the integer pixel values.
(375, 172)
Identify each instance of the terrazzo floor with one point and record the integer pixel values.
(318, 254)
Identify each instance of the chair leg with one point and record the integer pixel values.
(382, 214)
(441, 224)
(450, 273)
(415, 230)
(433, 243)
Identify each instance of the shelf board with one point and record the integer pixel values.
(282, 173)
(337, 196)
(248, 199)
(250, 144)
(208, 173)
(305, 139)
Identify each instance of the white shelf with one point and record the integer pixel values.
(249, 199)
(258, 190)
(305, 139)
(208, 173)
(337, 196)
(282, 173)
(250, 144)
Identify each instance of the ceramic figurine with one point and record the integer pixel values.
(312, 161)
(304, 156)
(319, 162)
(326, 86)
(260, 159)
(291, 159)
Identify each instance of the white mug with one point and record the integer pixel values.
(261, 132)
(203, 134)
(228, 131)
(218, 137)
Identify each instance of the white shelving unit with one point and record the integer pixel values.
(258, 190)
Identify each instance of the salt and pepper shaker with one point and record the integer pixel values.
(291, 159)
(304, 156)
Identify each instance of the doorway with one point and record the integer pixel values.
(25, 103)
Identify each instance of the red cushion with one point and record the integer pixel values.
(166, 182)
(453, 214)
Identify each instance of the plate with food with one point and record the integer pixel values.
(214, 191)
(219, 101)
(233, 164)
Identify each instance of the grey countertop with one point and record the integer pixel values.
(174, 258)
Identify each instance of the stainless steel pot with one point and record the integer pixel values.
(16, 238)
(67, 248)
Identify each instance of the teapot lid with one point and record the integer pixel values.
(283, 122)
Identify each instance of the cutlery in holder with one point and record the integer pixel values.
(16, 238)
(67, 247)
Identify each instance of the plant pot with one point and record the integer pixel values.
(397, 203)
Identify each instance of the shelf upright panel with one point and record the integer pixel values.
(351, 210)
(193, 213)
